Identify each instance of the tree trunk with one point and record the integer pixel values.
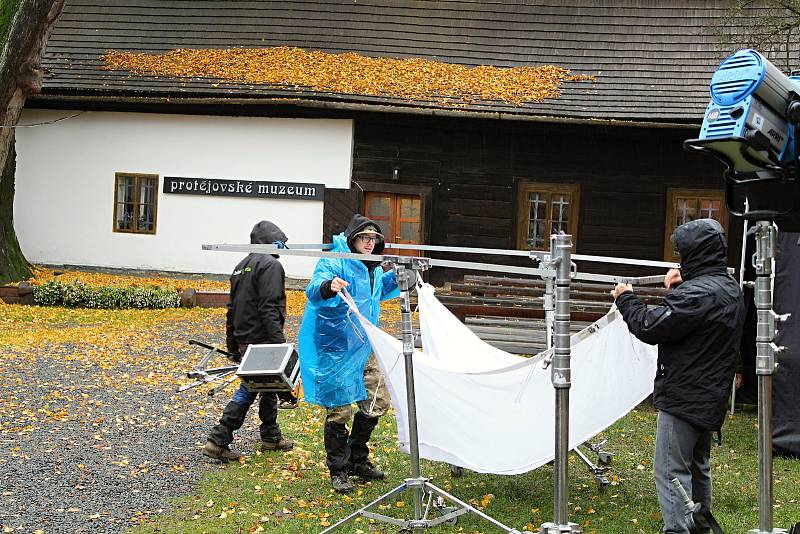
(13, 265)
(20, 77)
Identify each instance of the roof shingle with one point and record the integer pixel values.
(652, 60)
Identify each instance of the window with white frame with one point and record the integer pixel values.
(684, 205)
(544, 209)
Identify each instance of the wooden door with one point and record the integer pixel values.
(399, 216)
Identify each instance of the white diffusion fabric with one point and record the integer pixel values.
(492, 412)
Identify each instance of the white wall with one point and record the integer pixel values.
(64, 204)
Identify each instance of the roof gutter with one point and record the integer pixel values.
(74, 100)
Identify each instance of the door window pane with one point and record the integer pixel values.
(399, 216)
(409, 209)
(378, 206)
(409, 232)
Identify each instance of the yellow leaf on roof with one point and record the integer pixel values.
(291, 68)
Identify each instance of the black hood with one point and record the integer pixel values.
(701, 245)
(357, 223)
(266, 233)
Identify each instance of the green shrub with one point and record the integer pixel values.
(79, 295)
(74, 295)
(48, 294)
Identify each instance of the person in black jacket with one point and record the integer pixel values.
(256, 314)
(697, 328)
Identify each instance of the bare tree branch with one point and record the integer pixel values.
(766, 25)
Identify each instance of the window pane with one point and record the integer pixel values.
(387, 228)
(709, 209)
(145, 221)
(409, 209)
(378, 206)
(124, 216)
(409, 231)
(536, 235)
(146, 190)
(560, 213)
(125, 189)
(685, 210)
(537, 202)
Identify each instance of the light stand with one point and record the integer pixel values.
(603, 457)
(781, 175)
(423, 490)
(766, 236)
(561, 251)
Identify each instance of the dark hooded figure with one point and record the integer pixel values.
(697, 328)
(256, 313)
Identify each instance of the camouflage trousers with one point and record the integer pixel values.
(375, 405)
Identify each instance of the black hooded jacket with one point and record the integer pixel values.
(697, 328)
(257, 304)
(357, 223)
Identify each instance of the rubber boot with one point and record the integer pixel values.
(359, 450)
(338, 456)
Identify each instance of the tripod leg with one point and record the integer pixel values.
(399, 489)
(440, 492)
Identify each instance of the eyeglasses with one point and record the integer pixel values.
(368, 238)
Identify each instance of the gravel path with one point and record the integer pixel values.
(96, 444)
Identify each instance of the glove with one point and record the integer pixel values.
(232, 346)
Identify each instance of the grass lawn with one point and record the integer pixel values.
(290, 492)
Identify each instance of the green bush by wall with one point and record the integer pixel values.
(79, 295)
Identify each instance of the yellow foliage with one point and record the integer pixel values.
(43, 275)
(350, 73)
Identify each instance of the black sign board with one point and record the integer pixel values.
(243, 188)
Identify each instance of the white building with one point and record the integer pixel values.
(145, 191)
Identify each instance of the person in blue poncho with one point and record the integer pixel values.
(336, 360)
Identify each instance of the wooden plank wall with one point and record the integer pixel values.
(475, 166)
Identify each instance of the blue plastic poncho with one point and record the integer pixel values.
(333, 347)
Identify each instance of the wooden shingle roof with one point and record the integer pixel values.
(652, 60)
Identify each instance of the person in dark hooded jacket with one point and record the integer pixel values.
(697, 328)
(256, 314)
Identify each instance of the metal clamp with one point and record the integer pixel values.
(409, 262)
